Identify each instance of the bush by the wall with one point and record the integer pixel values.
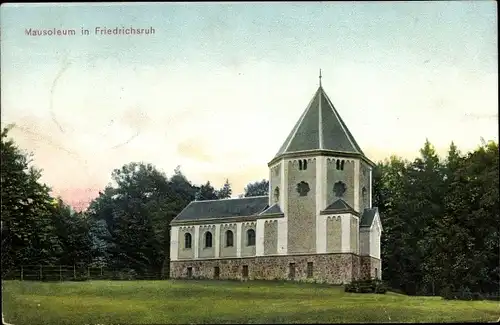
(366, 286)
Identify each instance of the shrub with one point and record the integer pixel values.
(126, 274)
(464, 293)
(366, 286)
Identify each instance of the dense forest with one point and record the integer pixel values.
(440, 217)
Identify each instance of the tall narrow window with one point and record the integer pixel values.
(216, 272)
(338, 164)
(189, 272)
(291, 271)
(244, 271)
(276, 194)
(229, 238)
(187, 240)
(376, 273)
(304, 165)
(300, 164)
(208, 239)
(342, 165)
(363, 195)
(250, 237)
(309, 269)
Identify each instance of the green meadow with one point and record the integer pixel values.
(202, 302)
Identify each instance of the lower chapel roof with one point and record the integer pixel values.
(253, 207)
(228, 208)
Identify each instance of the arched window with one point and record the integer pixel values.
(338, 164)
(229, 238)
(304, 165)
(250, 237)
(342, 165)
(208, 239)
(187, 240)
(300, 164)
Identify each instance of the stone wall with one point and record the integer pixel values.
(345, 176)
(354, 235)
(270, 237)
(227, 251)
(334, 234)
(356, 267)
(204, 251)
(245, 249)
(275, 181)
(301, 212)
(370, 267)
(364, 182)
(329, 268)
(183, 252)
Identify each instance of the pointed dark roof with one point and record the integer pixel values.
(339, 206)
(320, 128)
(367, 217)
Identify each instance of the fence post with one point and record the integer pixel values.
(41, 273)
(60, 272)
(22, 275)
(74, 271)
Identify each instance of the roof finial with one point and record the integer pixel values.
(320, 77)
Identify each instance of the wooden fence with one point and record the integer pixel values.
(76, 273)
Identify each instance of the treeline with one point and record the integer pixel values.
(440, 217)
(441, 221)
(126, 227)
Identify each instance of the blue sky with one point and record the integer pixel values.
(218, 87)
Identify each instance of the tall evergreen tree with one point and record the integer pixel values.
(206, 192)
(225, 192)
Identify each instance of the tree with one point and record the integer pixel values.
(425, 194)
(73, 230)
(468, 233)
(206, 192)
(440, 220)
(389, 196)
(259, 188)
(225, 192)
(26, 210)
(131, 219)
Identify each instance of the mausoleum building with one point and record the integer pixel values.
(316, 224)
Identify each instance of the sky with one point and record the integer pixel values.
(218, 86)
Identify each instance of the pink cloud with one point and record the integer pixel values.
(78, 198)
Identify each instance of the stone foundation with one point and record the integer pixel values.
(330, 268)
(370, 267)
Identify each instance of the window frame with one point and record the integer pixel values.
(253, 237)
(207, 233)
(188, 238)
(229, 243)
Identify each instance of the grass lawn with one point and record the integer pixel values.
(162, 302)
